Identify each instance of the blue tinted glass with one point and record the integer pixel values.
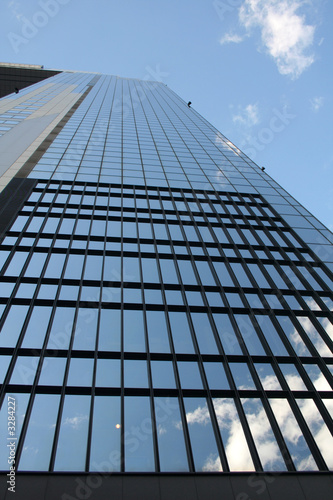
(227, 334)
(139, 452)
(134, 337)
(37, 327)
(204, 333)
(38, 441)
(189, 375)
(85, 329)
(171, 444)
(272, 336)
(109, 330)
(61, 328)
(105, 446)
(20, 401)
(135, 373)
(53, 370)
(157, 331)
(216, 376)
(13, 325)
(249, 334)
(181, 334)
(72, 442)
(205, 453)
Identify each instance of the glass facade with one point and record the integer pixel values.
(165, 305)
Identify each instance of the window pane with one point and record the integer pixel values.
(170, 435)
(227, 334)
(232, 434)
(139, 452)
(268, 450)
(37, 326)
(85, 329)
(72, 443)
(53, 370)
(38, 441)
(109, 330)
(105, 446)
(293, 436)
(204, 333)
(21, 402)
(108, 373)
(134, 337)
(181, 335)
(61, 328)
(157, 332)
(13, 324)
(205, 453)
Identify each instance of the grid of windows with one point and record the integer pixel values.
(193, 326)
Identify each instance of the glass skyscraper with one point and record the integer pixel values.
(166, 307)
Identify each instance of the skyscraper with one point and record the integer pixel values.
(166, 324)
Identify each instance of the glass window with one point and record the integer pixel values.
(74, 266)
(187, 273)
(169, 274)
(267, 377)
(249, 334)
(134, 336)
(293, 436)
(85, 329)
(204, 448)
(216, 376)
(157, 331)
(318, 428)
(149, 271)
(268, 450)
(25, 290)
(16, 264)
(292, 377)
(109, 330)
(105, 446)
(171, 444)
(35, 265)
(272, 336)
(37, 447)
(235, 444)
(204, 333)
(80, 372)
(317, 378)
(227, 334)
(108, 373)
(205, 273)
(21, 402)
(53, 370)
(93, 267)
(189, 375)
(223, 274)
(314, 336)
(294, 338)
(139, 452)
(242, 376)
(13, 324)
(181, 334)
(24, 370)
(131, 270)
(37, 327)
(72, 442)
(240, 274)
(55, 265)
(112, 270)
(163, 375)
(61, 328)
(135, 373)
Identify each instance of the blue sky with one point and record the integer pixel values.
(259, 70)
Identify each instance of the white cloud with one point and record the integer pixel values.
(284, 32)
(248, 116)
(316, 103)
(231, 38)
(75, 422)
